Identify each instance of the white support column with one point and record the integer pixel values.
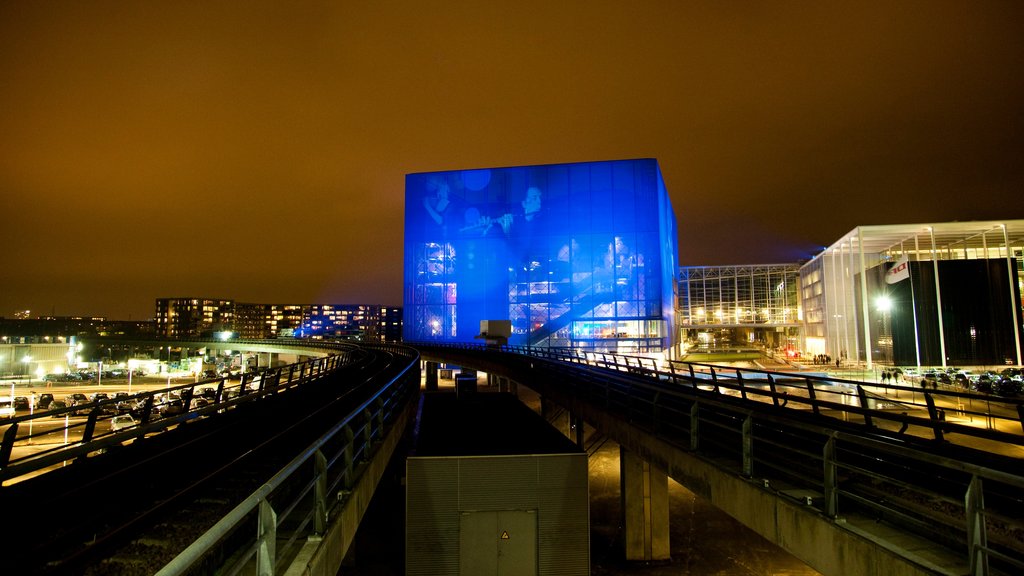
(864, 299)
(848, 278)
(1014, 304)
(832, 305)
(938, 297)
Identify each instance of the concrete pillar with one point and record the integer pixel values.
(431, 380)
(644, 509)
(577, 426)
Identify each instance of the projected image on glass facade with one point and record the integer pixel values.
(578, 255)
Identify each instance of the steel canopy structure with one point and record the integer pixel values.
(917, 294)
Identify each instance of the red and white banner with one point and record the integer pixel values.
(899, 271)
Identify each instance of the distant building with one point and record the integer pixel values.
(205, 317)
(193, 317)
(934, 294)
(576, 255)
(61, 329)
(730, 306)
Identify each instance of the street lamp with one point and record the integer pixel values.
(28, 370)
(883, 303)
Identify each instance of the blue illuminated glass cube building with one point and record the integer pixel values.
(576, 255)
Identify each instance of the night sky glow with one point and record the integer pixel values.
(258, 151)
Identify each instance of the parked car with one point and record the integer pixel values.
(44, 401)
(173, 408)
(1007, 387)
(121, 422)
(57, 405)
(77, 398)
(21, 403)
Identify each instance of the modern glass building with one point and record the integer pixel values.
(575, 255)
(732, 306)
(936, 294)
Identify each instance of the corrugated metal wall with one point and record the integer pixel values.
(438, 489)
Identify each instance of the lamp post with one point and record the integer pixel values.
(28, 370)
(31, 412)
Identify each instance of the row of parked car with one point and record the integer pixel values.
(1007, 382)
(88, 376)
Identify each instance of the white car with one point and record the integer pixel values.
(121, 422)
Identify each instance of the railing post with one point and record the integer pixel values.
(977, 540)
(656, 412)
(811, 396)
(380, 417)
(186, 398)
(8, 445)
(367, 433)
(863, 396)
(348, 457)
(266, 540)
(771, 386)
(831, 477)
(739, 382)
(714, 378)
(147, 410)
(748, 446)
(320, 505)
(935, 415)
(90, 426)
(695, 426)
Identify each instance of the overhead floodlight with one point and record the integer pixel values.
(883, 303)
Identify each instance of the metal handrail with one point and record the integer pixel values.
(271, 381)
(371, 418)
(812, 392)
(978, 487)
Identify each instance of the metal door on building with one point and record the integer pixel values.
(498, 542)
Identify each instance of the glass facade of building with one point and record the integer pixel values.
(575, 255)
(729, 306)
(918, 294)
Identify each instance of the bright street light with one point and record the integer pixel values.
(883, 303)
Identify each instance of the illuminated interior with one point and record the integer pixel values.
(575, 255)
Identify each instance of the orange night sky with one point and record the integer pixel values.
(257, 151)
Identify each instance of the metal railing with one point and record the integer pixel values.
(31, 444)
(305, 491)
(914, 410)
(839, 447)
